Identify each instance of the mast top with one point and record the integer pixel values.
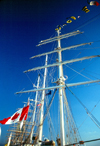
(42, 42)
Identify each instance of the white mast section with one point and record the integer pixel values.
(62, 132)
(62, 63)
(57, 87)
(59, 37)
(42, 102)
(62, 49)
(34, 113)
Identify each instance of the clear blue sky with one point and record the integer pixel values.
(23, 23)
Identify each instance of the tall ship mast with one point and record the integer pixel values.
(69, 135)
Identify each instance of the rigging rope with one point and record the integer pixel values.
(29, 78)
(78, 72)
(85, 68)
(82, 142)
(87, 22)
(71, 121)
(85, 48)
(91, 112)
(49, 105)
(49, 121)
(87, 111)
(49, 118)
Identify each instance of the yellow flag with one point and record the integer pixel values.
(73, 17)
(56, 29)
(69, 21)
(85, 9)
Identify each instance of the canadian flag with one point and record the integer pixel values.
(18, 116)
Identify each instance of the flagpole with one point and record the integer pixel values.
(9, 139)
(0, 132)
(42, 102)
(34, 113)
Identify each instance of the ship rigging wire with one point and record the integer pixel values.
(91, 112)
(84, 69)
(73, 130)
(78, 72)
(87, 111)
(88, 21)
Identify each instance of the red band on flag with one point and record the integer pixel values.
(4, 120)
(15, 116)
(24, 113)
